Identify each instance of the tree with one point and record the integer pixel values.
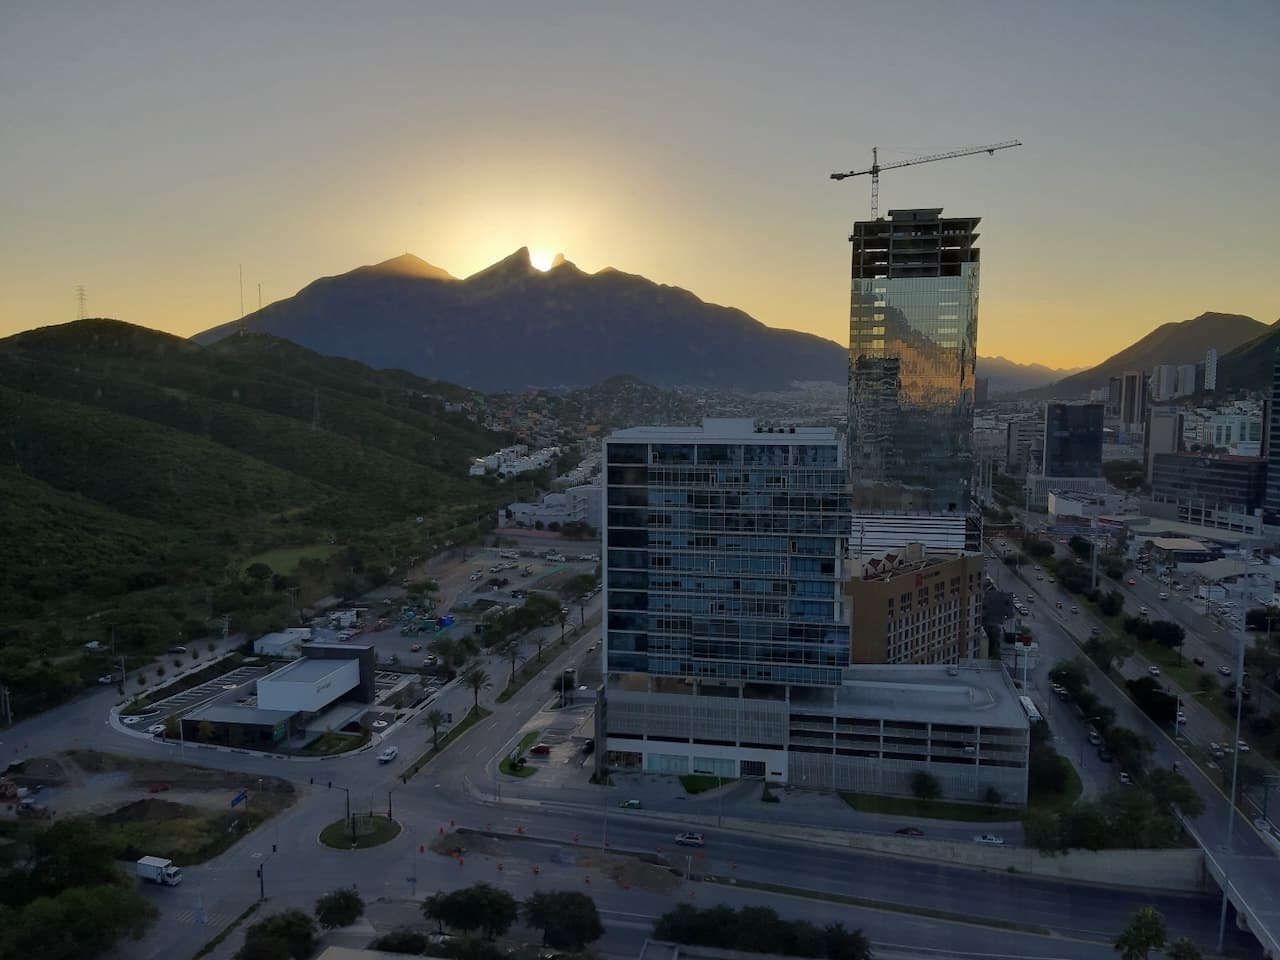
(1182, 949)
(1112, 601)
(264, 948)
(479, 907)
(1070, 674)
(260, 573)
(993, 796)
(1130, 749)
(925, 786)
(842, 944)
(401, 941)
(471, 948)
(1046, 774)
(340, 908)
(1144, 933)
(477, 680)
(1171, 790)
(568, 919)
(1043, 831)
(510, 650)
(295, 928)
(435, 719)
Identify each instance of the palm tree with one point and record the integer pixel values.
(477, 680)
(511, 650)
(435, 717)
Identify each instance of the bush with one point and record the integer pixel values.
(341, 908)
(401, 941)
(925, 786)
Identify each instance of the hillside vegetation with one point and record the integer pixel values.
(139, 473)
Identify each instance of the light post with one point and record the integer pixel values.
(719, 796)
(1231, 800)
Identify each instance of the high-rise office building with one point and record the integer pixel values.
(1187, 381)
(1164, 382)
(1271, 502)
(1133, 400)
(1163, 434)
(727, 633)
(1024, 446)
(1073, 440)
(1211, 369)
(913, 325)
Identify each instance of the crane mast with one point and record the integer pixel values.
(877, 167)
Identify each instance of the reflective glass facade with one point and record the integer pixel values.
(913, 328)
(723, 554)
(1073, 440)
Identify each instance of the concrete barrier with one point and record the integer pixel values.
(1181, 870)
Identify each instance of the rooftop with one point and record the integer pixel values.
(1177, 543)
(234, 713)
(728, 428)
(978, 693)
(306, 670)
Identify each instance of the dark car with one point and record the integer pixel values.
(540, 750)
(910, 832)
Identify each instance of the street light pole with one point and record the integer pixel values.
(1231, 801)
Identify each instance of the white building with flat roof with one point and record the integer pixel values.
(308, 685)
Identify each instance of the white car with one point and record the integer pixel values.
(1242, 746)
(130, 720)
(1164, 596)
(1125, 778)
(990, 839)
(1224, 670)
(689, 839)
(387, 755)
(1182, 718)
(1153, 670)
(108, 678)
(155, 728)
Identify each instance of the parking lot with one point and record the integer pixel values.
(189, 699)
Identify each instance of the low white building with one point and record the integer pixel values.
(285, 643)
(580, 504)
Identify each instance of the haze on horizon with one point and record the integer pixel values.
(151, 149)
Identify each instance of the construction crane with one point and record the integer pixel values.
(876, 166)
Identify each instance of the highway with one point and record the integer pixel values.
(1254, 868)
(459, 787)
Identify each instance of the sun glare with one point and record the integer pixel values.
(541, 259)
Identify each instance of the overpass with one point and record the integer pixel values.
(1251, 876)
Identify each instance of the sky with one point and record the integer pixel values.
(153, 151)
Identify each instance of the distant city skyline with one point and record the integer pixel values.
(153, 151)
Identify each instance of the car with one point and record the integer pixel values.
(910, 832)
(378, 724)
(130, 720)
(475, 577)
(990, 839)
(1142, 611)
(107, 678)
(155, 728)
(1242, 746)
(1095, 737)
(1163, 595)
(1198, 661)
(1153, 670)
(1125, 779)
(1036, 568)
(540, 749)
(1133, 582)
(415, 647)
(630, 804)
(1075, 609)
(1030, 597)
(177, 649)
(1182, 717)
(1039, 576)
(1216, 750)
(389, 754)
(1051, 580)
(1095, 632)
(430, 660)
(1224, 670)
(689, 839)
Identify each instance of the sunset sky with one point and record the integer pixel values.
(149, 149)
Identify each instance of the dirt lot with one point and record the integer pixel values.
(158, 808)
(626, 871)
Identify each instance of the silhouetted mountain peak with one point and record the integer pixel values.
(407, 265)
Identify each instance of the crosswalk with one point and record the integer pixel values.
(210, 919)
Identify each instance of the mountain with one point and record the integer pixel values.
(140, 474)
(1250, 366)
(512, 327)
(1181, 342)
(1006, 376)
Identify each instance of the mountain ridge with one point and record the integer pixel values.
(510, 326)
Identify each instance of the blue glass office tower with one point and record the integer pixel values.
(913, 328)
(723, 552)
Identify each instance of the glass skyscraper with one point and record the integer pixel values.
(913, 328)
(723, 553)
(1073, 440)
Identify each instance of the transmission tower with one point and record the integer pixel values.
(82, 296)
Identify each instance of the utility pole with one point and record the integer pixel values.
(1231, 804)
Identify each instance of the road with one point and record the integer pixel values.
(1253, 867)
(457, 787)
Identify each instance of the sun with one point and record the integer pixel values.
(541, 259)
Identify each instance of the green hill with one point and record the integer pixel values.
(139, 472)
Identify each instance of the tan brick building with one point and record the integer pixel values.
(916, 607)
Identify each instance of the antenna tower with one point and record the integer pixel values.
(82, 297)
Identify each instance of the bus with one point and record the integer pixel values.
(1032, 713)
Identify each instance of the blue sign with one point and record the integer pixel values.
(240, 797)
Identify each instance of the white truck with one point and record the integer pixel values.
(159, 870)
